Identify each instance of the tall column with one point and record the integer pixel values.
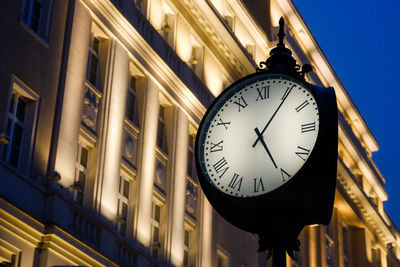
(144, 189)
(115, 91)
(360, 247)
(206, 242)
(73, 94)
(312, 246)
(176, 194)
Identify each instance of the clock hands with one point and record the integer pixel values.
(287, 92)
(261, 138)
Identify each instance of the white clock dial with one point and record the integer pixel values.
(258, 135)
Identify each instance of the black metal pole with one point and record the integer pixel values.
(278, 257)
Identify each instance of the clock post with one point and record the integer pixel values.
(266, 153)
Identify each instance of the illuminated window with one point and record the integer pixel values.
(36, 16)
(93, 65)
(131, 105)
(161, 131)
(81, 173)
(155, 230)
(17, 139)
(123, 204)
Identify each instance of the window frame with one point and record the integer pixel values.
(163, 146)
(93, 54)
(122, 199)
(42, 32)
(17, 87)
(156, 245)
(84, 169)
(223, 255)
(132, 90)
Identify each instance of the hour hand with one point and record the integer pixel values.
(261, 138)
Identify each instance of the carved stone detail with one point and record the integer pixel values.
(90, 109)
(190, 197)
(160, 174)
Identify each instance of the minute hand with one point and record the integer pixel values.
(287, 92)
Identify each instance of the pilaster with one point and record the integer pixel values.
(144, 189)
(73, 95)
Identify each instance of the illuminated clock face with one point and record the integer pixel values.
(258, 135)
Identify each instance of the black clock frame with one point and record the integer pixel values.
(307, 198)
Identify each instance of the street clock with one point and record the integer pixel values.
(266, 151)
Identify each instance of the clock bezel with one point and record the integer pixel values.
(210, 115)
(292, 205)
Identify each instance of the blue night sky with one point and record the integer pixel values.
(360, 40)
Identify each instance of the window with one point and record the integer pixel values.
(186, 248)
(191, 166)
(81, 173)
(20, 123)
(346, 245)
(92, 74)
(15, 129)
(222, 258)
(36, 16)
(155, 230)
(161, 131)
(123, 204)
(131, 105)
(329, 246)
(168, 24)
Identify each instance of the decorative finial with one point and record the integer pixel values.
(281, 33)
(281, 59)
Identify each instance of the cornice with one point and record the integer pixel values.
(143, 44)
(358, 200)
(364, 163)
(325, 71)
(213, 35)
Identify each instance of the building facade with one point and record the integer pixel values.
(100, 101)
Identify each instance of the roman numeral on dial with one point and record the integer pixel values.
(284, 175)
(216, 147)
(258, 184)
(302, 105)
(308, 127)
(225, 124)
(263, 93)
(241, 103)
(221, 167)
(287, 92)
(301, 151)
(236, 182)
